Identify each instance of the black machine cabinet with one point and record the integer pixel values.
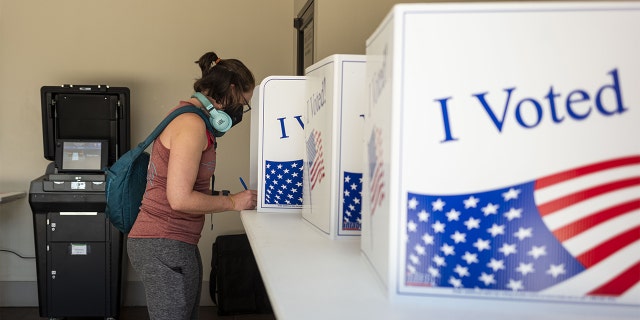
(78, 252)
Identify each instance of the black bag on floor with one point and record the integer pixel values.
(235, 283)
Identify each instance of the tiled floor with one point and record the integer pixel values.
(127, 313)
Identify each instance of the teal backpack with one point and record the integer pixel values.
(126, 179)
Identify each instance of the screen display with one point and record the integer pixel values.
(81, 155)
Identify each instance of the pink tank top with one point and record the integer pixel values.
(156, 218)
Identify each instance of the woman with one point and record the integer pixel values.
(163, 243)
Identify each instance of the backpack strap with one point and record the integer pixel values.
(156, 132)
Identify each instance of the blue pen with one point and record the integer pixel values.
(243, 184)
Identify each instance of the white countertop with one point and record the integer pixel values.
(308, 276)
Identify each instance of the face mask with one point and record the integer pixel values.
(236, 116)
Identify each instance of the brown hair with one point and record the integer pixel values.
(217, 77)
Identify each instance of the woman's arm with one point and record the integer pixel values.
(186, 139)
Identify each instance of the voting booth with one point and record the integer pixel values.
(277, 139)
(78, 251)
(502, 158)
(335, 99)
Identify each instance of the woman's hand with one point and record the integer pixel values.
(245, 200)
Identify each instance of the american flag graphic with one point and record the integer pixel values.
(376, 169)
(315, 158)
(283, 182)
(575, 233)
(352, 201)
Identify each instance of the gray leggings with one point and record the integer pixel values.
(171, 272)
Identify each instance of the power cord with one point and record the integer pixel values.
(17, 254)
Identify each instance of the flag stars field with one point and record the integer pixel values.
(283, 182)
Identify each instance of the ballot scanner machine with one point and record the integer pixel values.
(78, 252)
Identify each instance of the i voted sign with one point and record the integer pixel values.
(278, 143)
(501, 151)
(529, 111)
(335, 100)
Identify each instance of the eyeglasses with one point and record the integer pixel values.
(246, 107)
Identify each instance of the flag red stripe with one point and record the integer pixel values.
(317, 169)
(608, 247)
(376, 191)
(577, 227)
(318, 180)
(621, 283)
(318, 173)
(317, 166)
(378, 196)
(377, 178)
(377, 185)
(571, 199)
(584, 170)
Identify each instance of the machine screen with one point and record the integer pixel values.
(81, 155)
